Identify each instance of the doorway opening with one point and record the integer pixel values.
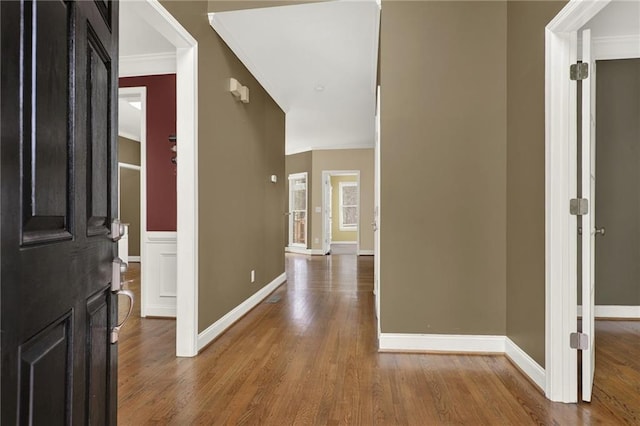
(181, 58)
(341, 212)
(131, 171)
(611, 40)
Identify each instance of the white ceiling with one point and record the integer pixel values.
(318, 61)
(137, 37)
(618, 18)
(128, 120)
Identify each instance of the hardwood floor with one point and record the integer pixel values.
(307, 356)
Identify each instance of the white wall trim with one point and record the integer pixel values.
(187, 170)
(218, 327)
(297, 250)
(453, 343)
(148, 64)
(161, 311)
(525, 363)
(135, 259)
(129, 166)
(616, 47)
(303, 250)
(615, 311)
(159, 273)
(560, 186)
(162, 236)
(345, 243)
(298, 150)
(366, 252)
(131, 136)
(393, 342)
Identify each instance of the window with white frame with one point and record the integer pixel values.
(348, 206)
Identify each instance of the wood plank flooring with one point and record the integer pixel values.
(310, 358)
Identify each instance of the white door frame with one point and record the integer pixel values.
(290, 242)
(140, 94)
(123, 245)
(326, 174)
(560, 186)
(187, 171)
(327, 218)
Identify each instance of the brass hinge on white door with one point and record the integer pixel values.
(579, 341)
(578, 206)
(579, 71)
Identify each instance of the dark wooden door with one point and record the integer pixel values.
(58, 162)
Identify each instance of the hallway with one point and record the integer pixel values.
(308, 355)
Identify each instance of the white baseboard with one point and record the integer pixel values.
(218, 327)
(297, 250)
(135, 259)
(615, 311)
(366, 252)
(160, 311)
(392, 342)
(344, 242)
(302, 250)
(525, 363)
(454, 343)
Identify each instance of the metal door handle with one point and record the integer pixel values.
(117, 230)
(115, 332)
(597, 231)
(118, 267)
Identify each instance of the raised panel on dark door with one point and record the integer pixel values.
(98, 142)
(57, 154)
(46, 111)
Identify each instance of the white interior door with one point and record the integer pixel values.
(327, 205)
(298, 205)
(588, 220)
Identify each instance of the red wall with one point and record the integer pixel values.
(161, 122)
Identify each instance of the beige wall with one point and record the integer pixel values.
(299, 163)
(443, 163)
(344, 159)
(314, 163)
(129, 152)
(526, 174)
(618, 182)
(239, 146)
(338, 235)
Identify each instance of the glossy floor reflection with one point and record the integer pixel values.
(310, 358)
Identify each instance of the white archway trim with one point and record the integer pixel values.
(187, 171)
(560, 186)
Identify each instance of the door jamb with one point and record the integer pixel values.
(329, 173)
(560, 186)
(187, 171)
(140, 94)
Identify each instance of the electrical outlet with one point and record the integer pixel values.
(253, 276)
(317, 240)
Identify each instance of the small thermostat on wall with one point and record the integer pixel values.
(274, 178)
